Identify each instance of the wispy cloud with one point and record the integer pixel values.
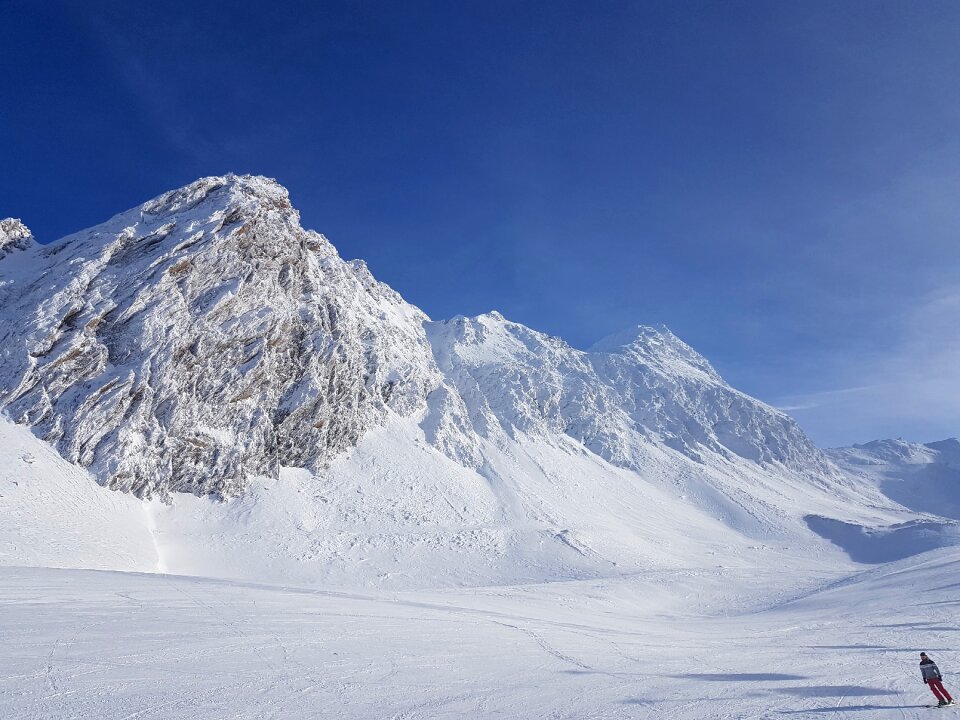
(818, 399)
(912, 389)
(153, 80)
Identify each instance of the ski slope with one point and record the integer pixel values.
(683, 645)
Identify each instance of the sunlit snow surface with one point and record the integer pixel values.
(674, 645)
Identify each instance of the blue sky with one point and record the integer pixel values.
(777, 182)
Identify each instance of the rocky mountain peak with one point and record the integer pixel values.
(250, 194)
(642, 385)
(657, 347)
(205, 338)
(633, 335)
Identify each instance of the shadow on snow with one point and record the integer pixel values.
(739, 677)
(849, 708)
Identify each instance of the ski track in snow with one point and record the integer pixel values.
(120, 646)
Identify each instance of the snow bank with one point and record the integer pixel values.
(54, 514)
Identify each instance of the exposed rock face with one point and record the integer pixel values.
(205, 338)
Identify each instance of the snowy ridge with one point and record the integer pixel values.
(14, 235)
(643, 384)
(923, 477)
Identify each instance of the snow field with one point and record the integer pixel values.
(695, 599)
(681, 645)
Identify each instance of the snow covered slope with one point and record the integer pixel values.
(925, 478)
(53, 514)
(397, 513)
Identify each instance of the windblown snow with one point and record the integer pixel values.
(518, 528)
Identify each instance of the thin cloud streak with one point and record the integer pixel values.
(915, 386)
(818, 399)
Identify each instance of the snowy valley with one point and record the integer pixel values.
(234, 463)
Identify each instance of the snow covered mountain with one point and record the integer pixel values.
(205, 338)
(924, 477)
(643, 384)
(204, 347)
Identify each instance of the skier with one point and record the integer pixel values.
(933, 678)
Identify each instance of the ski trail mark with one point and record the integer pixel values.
(152, 529)
(549, 649)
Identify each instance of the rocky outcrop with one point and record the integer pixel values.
(206, 338)
(14, 235)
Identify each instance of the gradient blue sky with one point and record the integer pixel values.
(778, 182)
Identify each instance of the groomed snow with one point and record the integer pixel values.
(679, 645)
